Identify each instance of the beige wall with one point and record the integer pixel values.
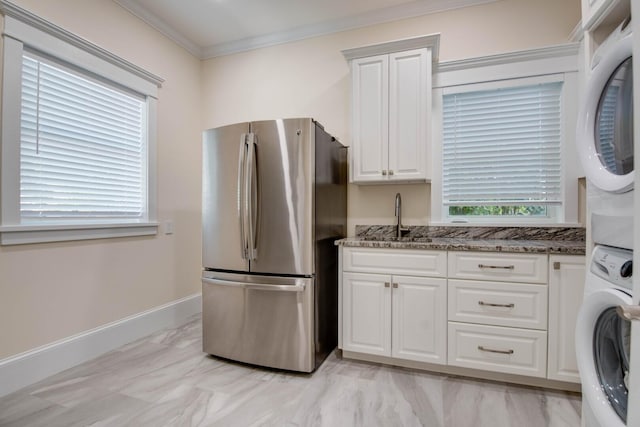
(51, 291)
(311, 78)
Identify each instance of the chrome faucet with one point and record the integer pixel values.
(400, 230)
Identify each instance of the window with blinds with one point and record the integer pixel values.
(502, 151)
(82, 147)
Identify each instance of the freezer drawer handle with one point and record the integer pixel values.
(257, 286)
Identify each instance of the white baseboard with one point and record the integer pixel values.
(32, 366)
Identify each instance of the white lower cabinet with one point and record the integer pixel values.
(507, 313)
(366, 312)
(395, 316)
(419, 319)
(566, 289)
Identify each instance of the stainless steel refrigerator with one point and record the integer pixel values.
(274, 202)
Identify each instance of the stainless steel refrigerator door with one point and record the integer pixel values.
(223, 198)
(283, 226)
(265, 321)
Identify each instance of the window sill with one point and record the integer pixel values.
(506, 224)
(26, 234)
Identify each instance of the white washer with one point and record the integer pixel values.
(602, 338)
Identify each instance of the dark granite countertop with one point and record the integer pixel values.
(549, 240)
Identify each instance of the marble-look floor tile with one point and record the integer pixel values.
(166, 380)
(21, 409)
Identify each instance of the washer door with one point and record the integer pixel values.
(605, 123)
(602, 349)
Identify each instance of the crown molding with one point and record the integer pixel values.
(431, 41)
(563, 50)
(162, 26)
(11, 10)
(389, 14)
(577, 33)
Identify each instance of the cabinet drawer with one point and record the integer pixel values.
(497, 303)
(498, 349)
(506, 267)
(410, 262)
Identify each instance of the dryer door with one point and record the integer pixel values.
(605, 123)
(602, 349)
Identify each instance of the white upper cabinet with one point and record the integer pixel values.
(409, 89)
(391, 100)
(370, 80)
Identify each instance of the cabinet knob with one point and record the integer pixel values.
(390, 172)
(387, 284)
(395, 285)
(384, 172)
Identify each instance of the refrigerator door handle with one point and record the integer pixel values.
(252, 196)
(256, 286)
(242, 197)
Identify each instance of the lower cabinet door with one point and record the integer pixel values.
(419, 319)
(366, 308)
(566, 288)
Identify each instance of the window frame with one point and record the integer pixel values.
(25, 31)
(558, 63)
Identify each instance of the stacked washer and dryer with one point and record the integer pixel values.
(605, 144)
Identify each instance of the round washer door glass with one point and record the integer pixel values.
(614, 122)
(611, 339)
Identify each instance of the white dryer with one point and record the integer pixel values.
(602, 338)
(604, 139)
(605, 123)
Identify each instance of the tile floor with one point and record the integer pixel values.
(166, 380)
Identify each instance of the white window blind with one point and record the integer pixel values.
(82, 147)
(502, 146)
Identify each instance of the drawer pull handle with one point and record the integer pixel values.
(500, 267)
(490, 304)
(491, 350)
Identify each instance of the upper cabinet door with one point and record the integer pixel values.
(409, 80)
(370, 80)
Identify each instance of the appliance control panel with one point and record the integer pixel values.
(613, 264)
